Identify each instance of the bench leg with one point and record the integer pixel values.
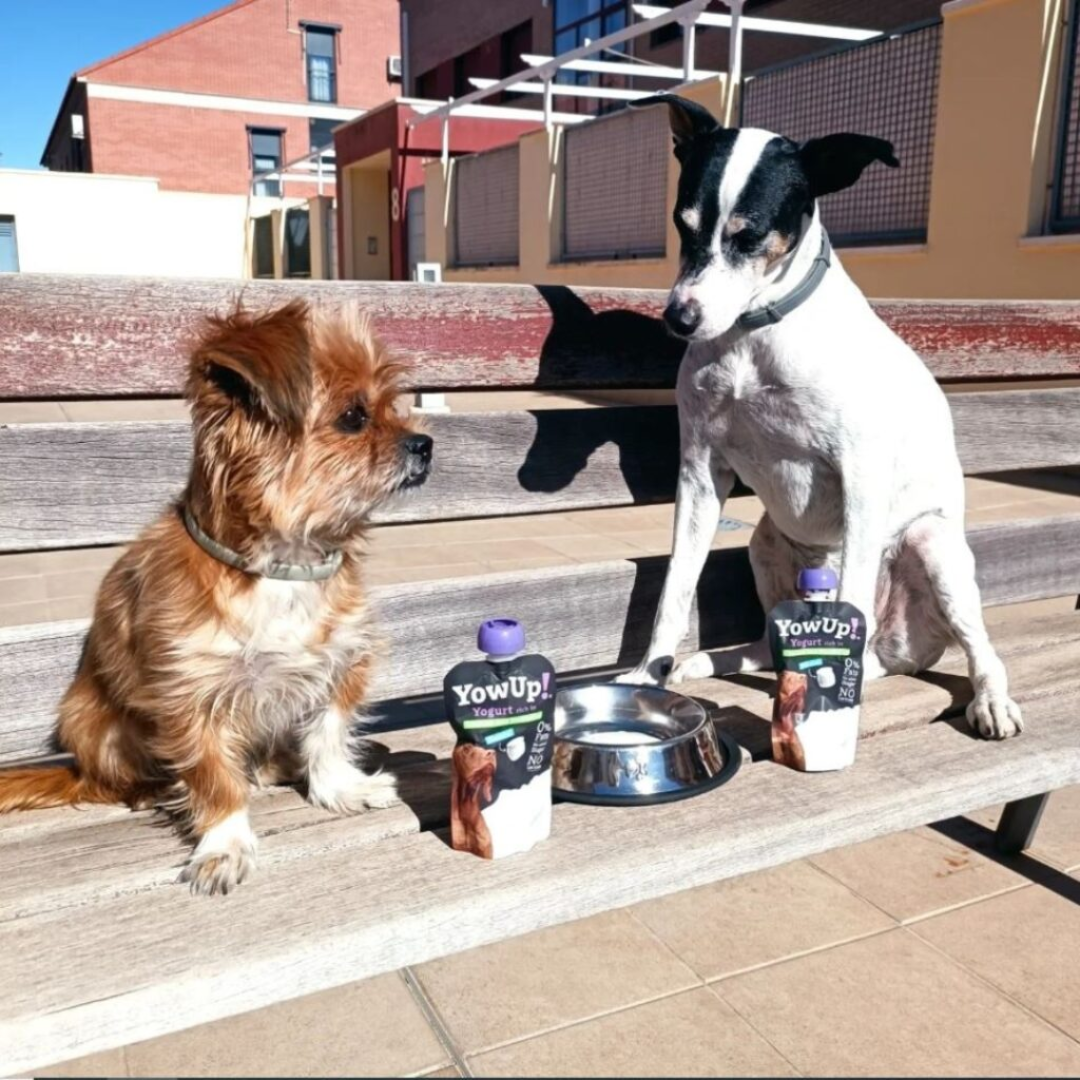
(1019, 820)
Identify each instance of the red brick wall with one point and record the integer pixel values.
(250, 51)
(189, 149)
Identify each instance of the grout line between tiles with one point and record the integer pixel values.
(914, 920)
(799, 955)
(583, 1020)
(435, 1021)
(755, 1029)
(1000, 991)
(850, 888)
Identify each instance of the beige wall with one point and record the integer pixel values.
(86, 223)
(367, 210)
(999, 83)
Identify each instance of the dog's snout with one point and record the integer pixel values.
(420, 445)
(683, 318)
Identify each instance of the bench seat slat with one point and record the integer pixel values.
(80, 484)
(158, 961)
(77, 336)
(62, 859)
(593, 615)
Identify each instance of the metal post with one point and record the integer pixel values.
(446, 138)
(688, 48)
(734, 89)
(1019, 820)
(319, 159)
(547, 103)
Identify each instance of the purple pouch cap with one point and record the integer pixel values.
(816, 579)
(501, 637)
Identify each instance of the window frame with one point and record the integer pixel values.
(279, 184)
(333, 32)
(1058, 222)
(9, 219)
(312, 121)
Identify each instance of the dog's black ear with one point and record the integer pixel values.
(837, 161)
(688, 119)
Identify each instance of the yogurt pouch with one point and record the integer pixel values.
(817, 648)
(502, 711)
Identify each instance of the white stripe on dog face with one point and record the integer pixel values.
(745, 155)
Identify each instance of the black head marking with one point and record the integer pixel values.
(688, 119)
(703, 164)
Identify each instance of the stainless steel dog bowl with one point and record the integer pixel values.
(635, 745)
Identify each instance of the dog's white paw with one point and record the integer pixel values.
(698, 666)
(649, 673)
(873, 668)
(349, 791)
(994, 715)
(223, 858)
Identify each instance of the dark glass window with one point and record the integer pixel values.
(297, 242)
(320, 46)
(578, 20)
(321, 134)
(265, 157)
(9, 248)
(262, 255)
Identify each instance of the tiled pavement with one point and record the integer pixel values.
(919, 953)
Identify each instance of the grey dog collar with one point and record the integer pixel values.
(319, 571)
(756, 318)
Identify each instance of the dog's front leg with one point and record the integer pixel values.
(698, 504)
(329, 750)
(866, 527)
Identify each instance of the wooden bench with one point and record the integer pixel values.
(101, 948)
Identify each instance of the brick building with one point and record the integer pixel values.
(255, 84)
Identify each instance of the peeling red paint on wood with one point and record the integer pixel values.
(125, 337)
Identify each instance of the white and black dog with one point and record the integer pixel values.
(792, 382)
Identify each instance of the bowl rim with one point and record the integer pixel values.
(703, 720)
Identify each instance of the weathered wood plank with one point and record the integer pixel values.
(586, 616)
(75, 336)
(70, 485)
(160, 961)
(63, 858)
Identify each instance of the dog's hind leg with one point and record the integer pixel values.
(776, 562)
(950, 568)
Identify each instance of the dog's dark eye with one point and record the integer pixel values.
(353, 419)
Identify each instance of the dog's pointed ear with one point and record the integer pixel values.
(837, 161)
(259, 362)
(688, 119)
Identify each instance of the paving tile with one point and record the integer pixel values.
(590, 548)
(550, 978)
(31, 412)
(1025, 943)
(22, 614)
(1003, 613)
(107, 1063)
(416, 557)
(22, 565)
(450, 1070)
(22, 590)
(68, 583)
(688, 1034)
(139, 409)
(72, 607)
(891, 1005)
(78, 558)
(1057, 840)
(499, 566)
(398, 575)
(911, 874)
(485, 550)
(371, 1028)
(759, 918)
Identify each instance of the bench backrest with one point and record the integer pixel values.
(83, 484)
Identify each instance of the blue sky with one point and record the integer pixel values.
(43, 44)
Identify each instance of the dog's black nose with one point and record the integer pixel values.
(683, 319)
(420, 445)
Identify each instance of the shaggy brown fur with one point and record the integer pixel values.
(198, 677)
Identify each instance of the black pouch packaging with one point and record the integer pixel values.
(817, 646)
(502, 711)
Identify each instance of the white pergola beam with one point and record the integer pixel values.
(768, 26)
(615, 67)
(603, 93)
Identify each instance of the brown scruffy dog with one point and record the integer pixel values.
(232, 641)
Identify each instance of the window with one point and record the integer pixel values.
(9, 248)
(262, 244)
(297, 242)
(266, 157)
(320, 46)
(576, 21)
(1065, 198)
(321, 134)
